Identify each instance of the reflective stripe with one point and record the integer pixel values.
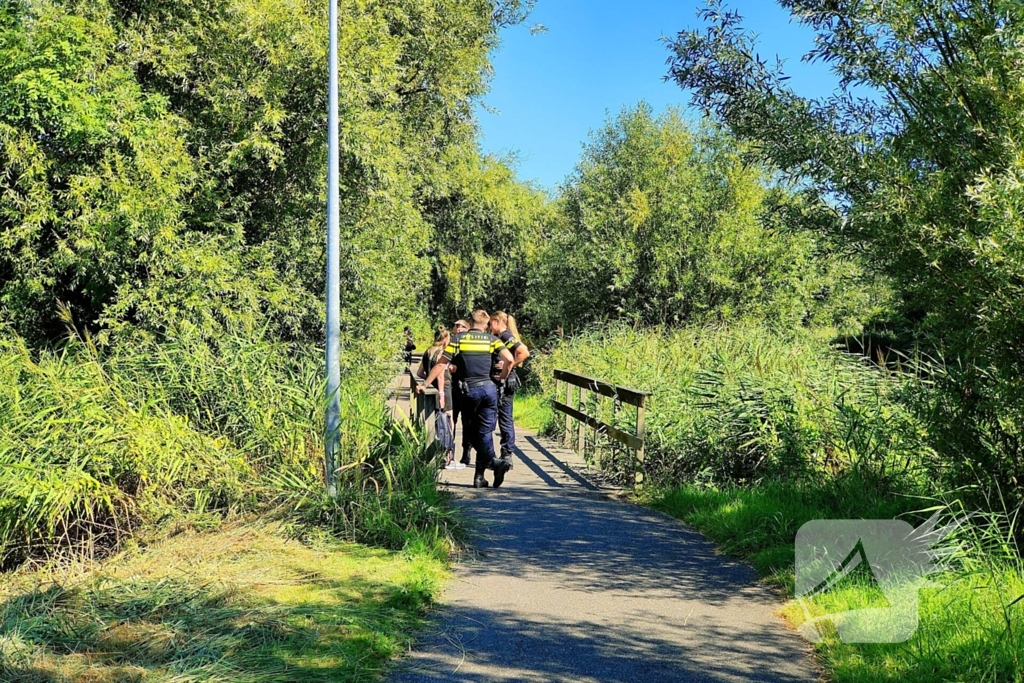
(475, 347)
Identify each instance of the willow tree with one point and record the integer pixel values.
(916, 162)
(668, 222)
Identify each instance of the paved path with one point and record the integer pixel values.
(566, 584)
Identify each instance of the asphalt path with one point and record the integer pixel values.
(566, 583)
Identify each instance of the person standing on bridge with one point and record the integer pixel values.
(443, 384)
(475, 354)
(503, 326)
(460, 326)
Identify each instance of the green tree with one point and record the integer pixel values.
(664, 222)
(163, 163)
(923, 174)
(485, 227)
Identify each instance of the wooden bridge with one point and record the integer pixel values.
(567, 582)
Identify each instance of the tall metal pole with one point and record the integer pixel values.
(333, 422)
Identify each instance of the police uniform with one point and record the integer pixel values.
(474, 354)
(456, 412)
(506, 424)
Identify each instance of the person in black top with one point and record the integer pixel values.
(458, 328)
(444, 385)
(502, 326)
(410, 345)
(475, 354)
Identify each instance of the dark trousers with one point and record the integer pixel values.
(458, 409)
(480, 404)
(506, 425)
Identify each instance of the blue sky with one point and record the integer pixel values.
(550, 90)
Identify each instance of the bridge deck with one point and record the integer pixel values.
(567, 584)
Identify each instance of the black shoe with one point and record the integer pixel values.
(481, 483)
(506, 455)
(501, 466)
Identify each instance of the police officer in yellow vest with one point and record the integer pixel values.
(475, 354)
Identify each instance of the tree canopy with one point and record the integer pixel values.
(668, 222)
(162, 164)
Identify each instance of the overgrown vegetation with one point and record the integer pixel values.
(922, 177)
(244, 603)
(162, 178)
(743, 403)
(752, 432)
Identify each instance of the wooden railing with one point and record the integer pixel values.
(422, 406)
(619, 395)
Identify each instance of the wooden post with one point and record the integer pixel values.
(412, 396)
(429, 412)
(568, 420)
(639, 465)
(581, 437)
(616, 404)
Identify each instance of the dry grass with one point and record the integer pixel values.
(245, 603)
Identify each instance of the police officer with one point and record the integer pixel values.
(475, 354)
(503, 326)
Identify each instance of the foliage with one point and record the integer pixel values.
(745, 403)
(485, 227)
(92, 450)
(81, 456)
(243, 603)
(163, 163)
(922, 175)
(665, 222)
(162, 179)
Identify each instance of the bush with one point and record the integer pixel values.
(82, 458)
(744, 403)
(91, 448)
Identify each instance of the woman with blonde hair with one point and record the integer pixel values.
(503, 326)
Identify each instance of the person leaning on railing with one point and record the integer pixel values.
(443, 384)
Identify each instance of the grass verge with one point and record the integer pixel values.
(533, 411)
(244, 603)
(970, 630)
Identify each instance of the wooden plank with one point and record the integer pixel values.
(624, 394)
(625, 438)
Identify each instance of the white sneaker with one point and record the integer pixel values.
(460, 466)
(452, 466)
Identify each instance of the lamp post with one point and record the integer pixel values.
(333, 333)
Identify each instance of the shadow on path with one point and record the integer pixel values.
(567, 584)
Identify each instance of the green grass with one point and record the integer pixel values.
(244, 603)
(753, 432)
(533, 411)
(969, 631)
(96, 447)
